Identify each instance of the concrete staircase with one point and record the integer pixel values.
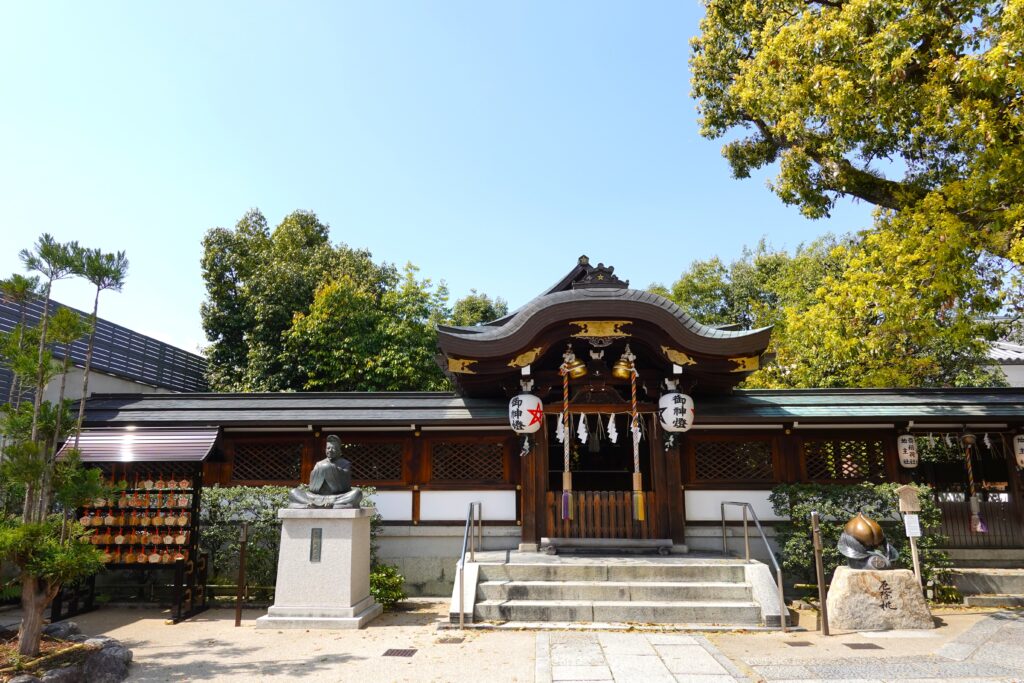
(987, 587)
(716, 594)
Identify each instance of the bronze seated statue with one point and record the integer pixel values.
(330, 483)
(864, 545)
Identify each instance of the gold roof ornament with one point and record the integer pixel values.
(746, 363)
(677, 357)
(604, 329)
(462, 366)
(865, 530)
(526, 357)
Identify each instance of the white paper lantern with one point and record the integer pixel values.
(907, 445)
(525, 413)
(675, 411)
(1018, 449)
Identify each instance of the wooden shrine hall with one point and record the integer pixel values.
(592, 367)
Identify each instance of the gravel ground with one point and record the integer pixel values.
(208, 647)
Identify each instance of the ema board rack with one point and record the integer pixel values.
(146, 525)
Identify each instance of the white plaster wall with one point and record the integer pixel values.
(393, 506)
(1014, 374)
(426, 555)
(702, 506)
(99, 383)
(439, 506)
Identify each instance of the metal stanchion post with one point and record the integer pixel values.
(816, 534)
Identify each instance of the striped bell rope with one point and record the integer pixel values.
(567, 506)
(978, 524)
(638, 488)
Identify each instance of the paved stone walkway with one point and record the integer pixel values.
(646, 657)
(991, 650)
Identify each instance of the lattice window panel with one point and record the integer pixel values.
(467, 461)
(270, 461)
(844, 460)
(374, 460)
(733, 461)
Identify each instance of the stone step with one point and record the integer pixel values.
(987, 581)
(994, 600)
(671, 591)
(721, 572)
(737, 613)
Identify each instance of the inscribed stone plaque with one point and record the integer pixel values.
(315, 541)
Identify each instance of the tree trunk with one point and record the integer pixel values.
(88, 365)
(33, 606)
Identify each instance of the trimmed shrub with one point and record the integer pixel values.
(387, 585)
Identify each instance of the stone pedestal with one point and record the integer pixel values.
(870, 600)
(323, 572)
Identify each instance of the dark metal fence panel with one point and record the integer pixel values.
(118, 351)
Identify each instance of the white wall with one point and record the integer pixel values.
(453, 505)
(1014, 374)
(393, 506)
(702, 506)
(99, 383)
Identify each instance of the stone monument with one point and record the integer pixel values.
(323, 570)
(869, 595)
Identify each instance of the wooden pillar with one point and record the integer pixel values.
(528, 493)
(535, 486)
(668, 485)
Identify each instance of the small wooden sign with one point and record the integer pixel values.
(909, 502)
(912, 523)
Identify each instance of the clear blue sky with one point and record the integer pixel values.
(488, 143)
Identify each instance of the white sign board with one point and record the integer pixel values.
(913, 525)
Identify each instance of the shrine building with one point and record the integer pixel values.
(630, 428)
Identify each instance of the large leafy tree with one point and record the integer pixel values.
(894, 318)
(287, 310)
(476, 308)
(914, 107)
(257, 280)
(357, 340)
(846, 315)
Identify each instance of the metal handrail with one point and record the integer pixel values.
(746, 545)
(471, 540)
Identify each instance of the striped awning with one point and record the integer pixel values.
(144, 444)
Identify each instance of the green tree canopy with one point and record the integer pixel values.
(257, 280)
(848, 313)
(914, 107)
(475, 309)
(287, 310)
(356, 340)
